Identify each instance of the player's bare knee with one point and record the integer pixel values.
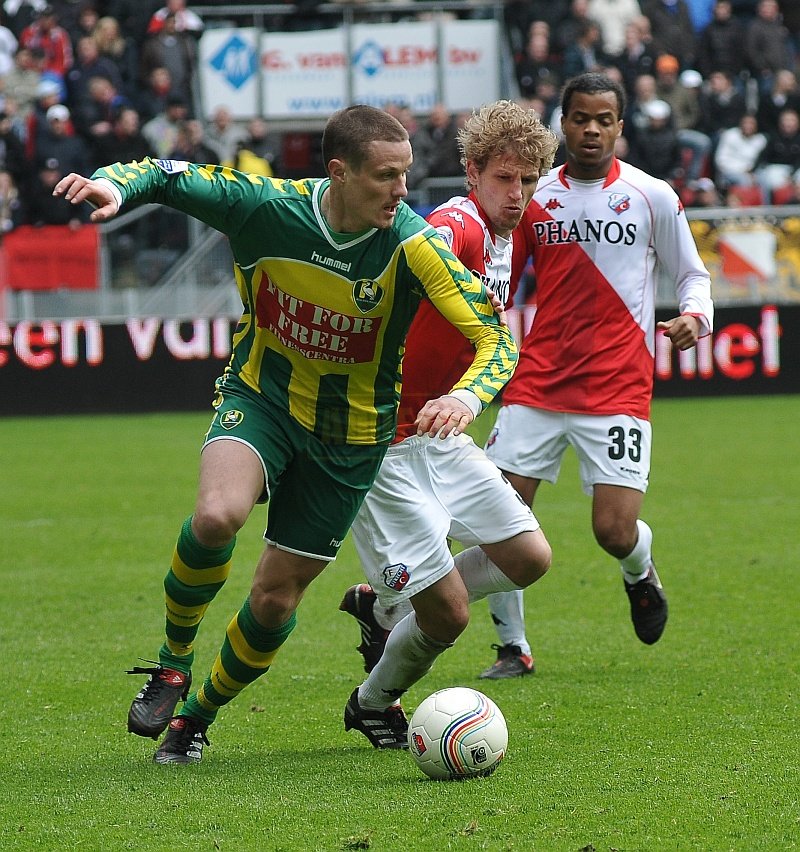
(541, 560)
(615, 538)
(272, 606)
(528, 561)
(448, 623)
(215, 523)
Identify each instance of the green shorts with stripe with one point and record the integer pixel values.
(314, 489)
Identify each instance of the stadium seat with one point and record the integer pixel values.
(745, 196)
(784, 195)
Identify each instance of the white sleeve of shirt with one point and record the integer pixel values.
(677, 254)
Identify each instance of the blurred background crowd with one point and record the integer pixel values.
(714, 101)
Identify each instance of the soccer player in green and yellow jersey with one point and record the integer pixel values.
(331, 272)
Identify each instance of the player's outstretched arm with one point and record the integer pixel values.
(444, 416)
(76, 189)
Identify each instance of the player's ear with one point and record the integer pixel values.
(337, 170)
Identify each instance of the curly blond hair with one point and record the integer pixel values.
(505, 127)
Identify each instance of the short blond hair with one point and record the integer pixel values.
(505, 127)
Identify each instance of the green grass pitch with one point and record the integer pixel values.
(691, 744)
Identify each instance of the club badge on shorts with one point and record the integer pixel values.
(396, 576)
(231, 419)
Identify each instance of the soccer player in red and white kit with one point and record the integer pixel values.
(599, 231)
(430, 489)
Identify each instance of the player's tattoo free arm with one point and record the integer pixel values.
(678, 255)
(468, 307)
(219, 197)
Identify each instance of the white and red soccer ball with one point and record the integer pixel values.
(457, 733)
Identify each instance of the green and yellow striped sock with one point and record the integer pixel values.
(246, 654)
(196, 575)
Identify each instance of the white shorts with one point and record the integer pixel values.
(429, 490)
(612, 449)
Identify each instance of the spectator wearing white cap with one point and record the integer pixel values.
(656, 149)
(703, 193)
(59, 142)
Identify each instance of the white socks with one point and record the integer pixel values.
(637, 563)
(480, 575)
(508, 614)
(408, 657)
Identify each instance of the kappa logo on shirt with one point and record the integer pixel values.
(553, 204)
(619, 202)
(452, 214)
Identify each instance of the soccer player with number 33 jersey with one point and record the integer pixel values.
(599, 232)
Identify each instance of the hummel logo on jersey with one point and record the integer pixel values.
(331, 262)
(553, 204)
(172, 167)
(619, 202)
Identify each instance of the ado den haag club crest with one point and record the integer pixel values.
(367, 294)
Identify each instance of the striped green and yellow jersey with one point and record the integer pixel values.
(326, 314)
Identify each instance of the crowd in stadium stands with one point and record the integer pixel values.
(714, 99)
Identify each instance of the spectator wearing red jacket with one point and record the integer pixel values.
(45, 35)
(186, 21)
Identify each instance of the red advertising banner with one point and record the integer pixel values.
(49, 258)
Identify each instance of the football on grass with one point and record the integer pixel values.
(457, 733)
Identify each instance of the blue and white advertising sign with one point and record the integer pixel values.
(310, 75)
(229, 63)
